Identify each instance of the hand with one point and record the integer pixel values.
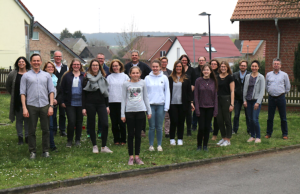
(54, 102)
(108, 111)
(245, 104)
(256, 106)
(50, 111)
(123, 119)
(25, 112)
(149, 116)
(63, 105)
(192, 106)
(230, 108)
(84, 112)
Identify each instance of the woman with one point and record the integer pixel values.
(71, 90)
(190, 74)
(159, 98)
(133, 106)
(254, 90)
(206, 104)
(95, 101)
(215, 65)
(13, 88)
(225, 102)
(181, 101)
(50, 68)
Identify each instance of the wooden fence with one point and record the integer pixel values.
(3, 76)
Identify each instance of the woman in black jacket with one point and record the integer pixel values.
(181, 101)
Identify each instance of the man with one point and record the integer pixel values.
(277, 85)
(36, 92)
(145, 71)
(167, 72)
(239, 78)
(61, 69)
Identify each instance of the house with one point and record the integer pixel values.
(45, 43)
(16, 30)
(253, 49)
(222, 49)
(90, 52)
(150, 48)
(275, 22)
(76, 44)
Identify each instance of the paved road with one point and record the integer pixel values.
(277, 173)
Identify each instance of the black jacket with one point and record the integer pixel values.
(186, 91)
(143, 66)
(239, 86)
(198, 72)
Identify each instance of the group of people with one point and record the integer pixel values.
(133, 92)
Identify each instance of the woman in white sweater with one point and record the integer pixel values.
(159, 98)
(115, 81)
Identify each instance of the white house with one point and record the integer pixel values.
(174, 53)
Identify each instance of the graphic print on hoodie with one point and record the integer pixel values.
(135, 94)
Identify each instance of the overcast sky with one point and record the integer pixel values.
(117, 15)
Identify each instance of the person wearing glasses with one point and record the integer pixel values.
(277, 85)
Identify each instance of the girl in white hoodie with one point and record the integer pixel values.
(159, 98)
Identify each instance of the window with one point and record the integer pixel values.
(34, 52)
(162, 53)
(52, 55)
(35, 36)
(178, 53)
(212, 49)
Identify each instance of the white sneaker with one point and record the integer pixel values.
(106, 150)
(172, 142)
(151, 148)
(220, 142)
(95, 149)
(179, 142)
(225, 143)
(159, 148)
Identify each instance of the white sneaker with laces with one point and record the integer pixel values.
(95, 149)
(106, 150)
(172, 142)
(151, 148)
(225, 143)
(220, 142)
(179, 142)
(159, 148)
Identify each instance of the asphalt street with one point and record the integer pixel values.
(276, 173)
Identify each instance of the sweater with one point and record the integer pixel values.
(115, 81)
(158, 90)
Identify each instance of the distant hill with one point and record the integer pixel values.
(111, 37)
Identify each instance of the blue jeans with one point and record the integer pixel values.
(279, 102)
(253, 118)
(238, 104)
(62, 119)
(156, 122)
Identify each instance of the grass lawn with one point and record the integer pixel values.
(17, 170)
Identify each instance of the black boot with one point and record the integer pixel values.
(189, 132)
(199, 148)
(20, 141)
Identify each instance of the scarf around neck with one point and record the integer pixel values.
(95, 83)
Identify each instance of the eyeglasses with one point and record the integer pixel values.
(201, 60)
(57, 56)
(76, 64)
(95, 65)
(100, 58)
(183, 60)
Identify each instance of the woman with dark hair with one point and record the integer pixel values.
(71, 99)
(95, 101)
(13, 88)
(190, 74)
(181, 99)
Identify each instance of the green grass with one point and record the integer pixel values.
(17, 170)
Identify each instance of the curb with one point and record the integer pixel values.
(136, 172)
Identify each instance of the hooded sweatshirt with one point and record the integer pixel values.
(158, 90)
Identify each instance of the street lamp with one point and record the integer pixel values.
(197, 38)
(207, 14)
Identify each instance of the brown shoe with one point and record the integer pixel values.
(285, 137)
(268, 136)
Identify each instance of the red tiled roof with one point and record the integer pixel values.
(252, 45)
(265, 10)
(223, 45)
(25, 7)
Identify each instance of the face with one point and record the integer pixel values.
(206, 71)
(276, 65)
(135, 57)
(184, 61)
(49, 68)
(201, 61)
(254, 67)
(155, 68)
(101, 59)
(36, 62)
(95, 67)
(21, 64)
(243, 66)
(214, 65)
(57, 57)
(223, 68)
(179, 68)
(116, 67)
(135, 74)
(164, 63)
(76, 66)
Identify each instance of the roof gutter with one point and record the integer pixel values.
(278, 44)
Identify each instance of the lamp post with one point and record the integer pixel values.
(207, 14)
(197, 38)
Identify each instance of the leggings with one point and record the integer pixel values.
(204, 122)
(117, 126)
(177, 117)
(224, 116)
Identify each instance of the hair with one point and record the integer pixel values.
(163, 58)
(212, 74)
(28, 66)
(120, 64)
(35, 54)
(243, 61)
(173, 74)
(134, 67)
(45, 66)
(58, 51)
(277, 59)
(188, 59)
(135, 51)
(71, 68)
(255, 61)
(203, 57)
(90, 71)
(228, 67)
(100, 54)
(156, 61)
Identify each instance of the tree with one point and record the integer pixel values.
(65, 34)
(78, 34)
(97, 42)
(297, 64)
